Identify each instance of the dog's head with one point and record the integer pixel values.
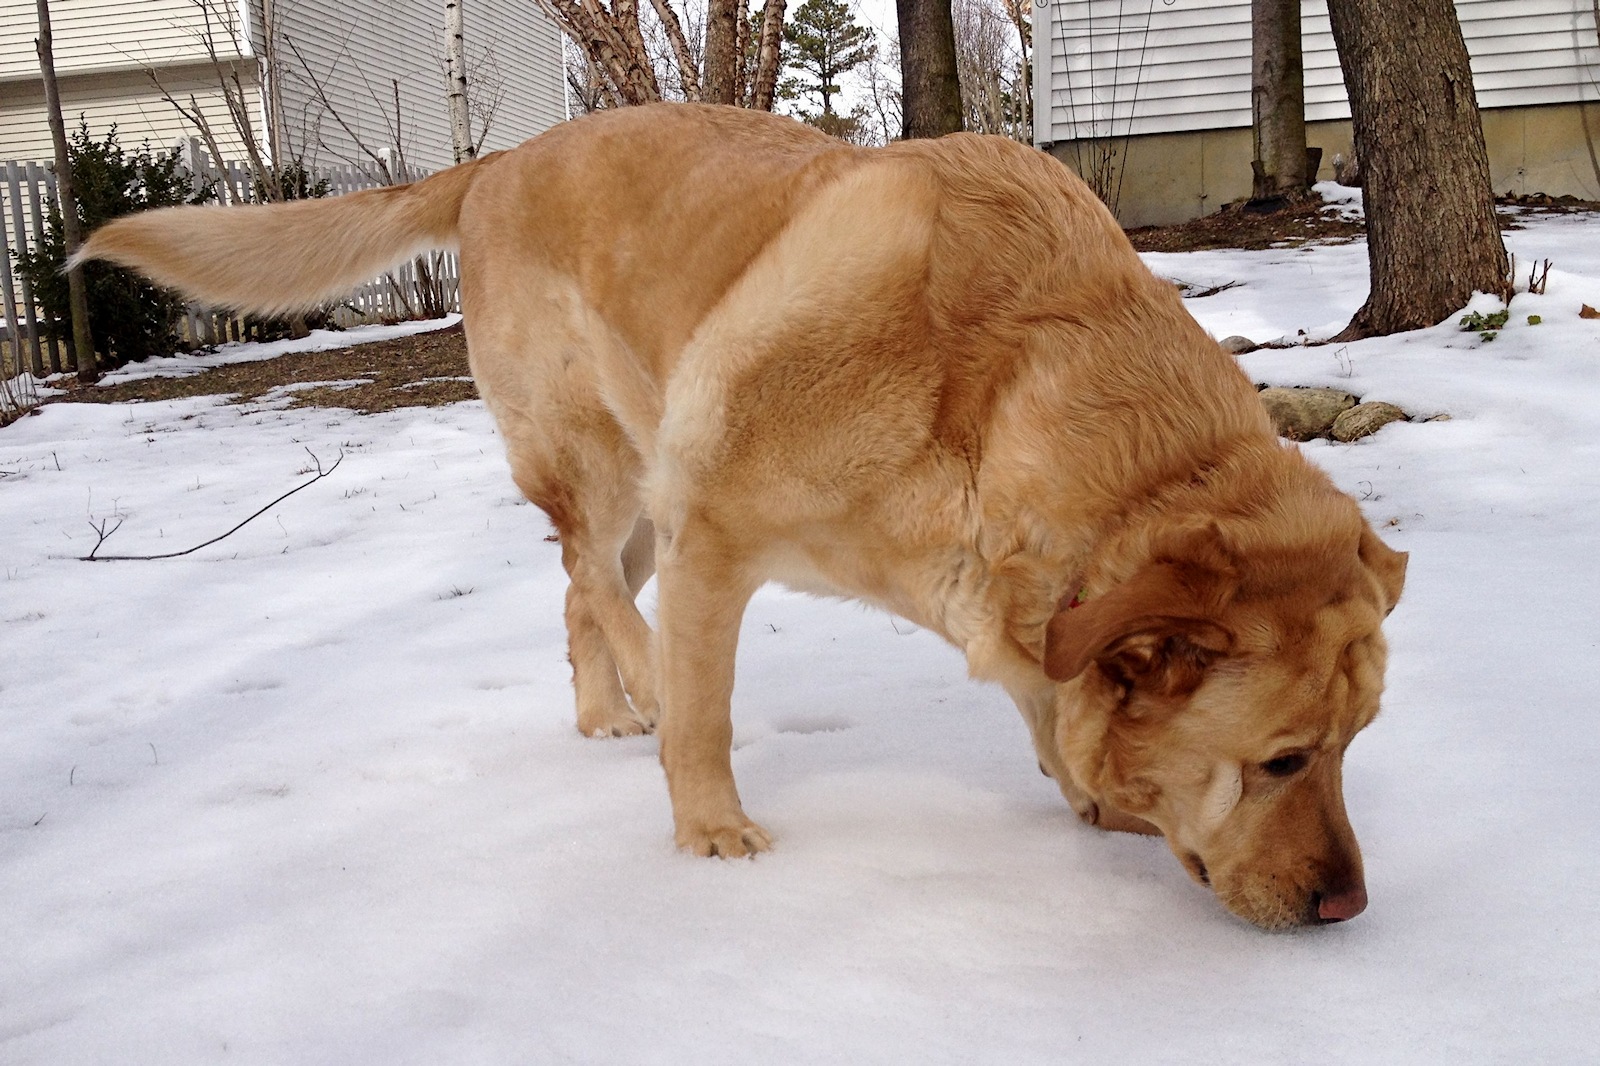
(1213, 692)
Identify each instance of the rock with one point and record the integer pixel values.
(1365, 419)
(1237, 345)
(1302, 414)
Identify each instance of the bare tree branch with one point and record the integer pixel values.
(321, 94)
(688, 69)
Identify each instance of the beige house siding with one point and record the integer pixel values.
(99, 35)
(1173, 177)
(127, 100)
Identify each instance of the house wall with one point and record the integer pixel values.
(1171, 82)
(104, 35)
(126, 99)
(359, 51)
(1174, 177)
(105, 54)
(1128, 67)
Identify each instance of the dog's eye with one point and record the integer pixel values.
(1285, 765)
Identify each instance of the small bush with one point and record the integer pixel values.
(129, 318)
(295, 182)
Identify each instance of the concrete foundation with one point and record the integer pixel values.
(1174, 177)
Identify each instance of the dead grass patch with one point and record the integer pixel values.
(422, 370)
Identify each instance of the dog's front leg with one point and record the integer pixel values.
(704, 587)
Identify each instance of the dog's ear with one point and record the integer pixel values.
(1388, 565)
(1159, 630)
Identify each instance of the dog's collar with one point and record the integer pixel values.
(1079, 598)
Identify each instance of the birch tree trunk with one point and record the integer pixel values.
(77, 292)
(456, 71)
(271, 76)
(768, 55)
(1432, 237)
(930, 86)
(1278, 100)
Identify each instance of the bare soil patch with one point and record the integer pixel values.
(1240, 226)
(422, 370)
(1245, 227)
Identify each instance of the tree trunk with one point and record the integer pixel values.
(930, 87)
(271, 73)
(593, 27)
(768, 54)
(1432, 238)
(1278, 99)
(77, 293)
(456, 68)
(743, 67)
(722, 52)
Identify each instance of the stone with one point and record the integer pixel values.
(1237, 345)
(1365, 419)
(1304, 414)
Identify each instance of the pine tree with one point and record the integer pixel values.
(823, 41)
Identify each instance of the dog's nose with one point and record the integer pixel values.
(1341, 905)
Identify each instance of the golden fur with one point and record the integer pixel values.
(933, 376)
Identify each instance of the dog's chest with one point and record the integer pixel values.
(944, 594)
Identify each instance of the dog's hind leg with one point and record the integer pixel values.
(601, 584)
(570, 457)
(639, 555)
(610, 645)
(605, 708)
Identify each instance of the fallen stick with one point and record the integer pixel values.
(94, 557)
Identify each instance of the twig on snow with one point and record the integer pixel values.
(92, 557)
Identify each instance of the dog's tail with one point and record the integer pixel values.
(277, 258)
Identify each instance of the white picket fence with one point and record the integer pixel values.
(28, 353)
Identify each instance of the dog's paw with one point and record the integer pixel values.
(609, 722)
(731, 838)
(647, 711)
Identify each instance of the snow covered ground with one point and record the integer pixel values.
(313, 795)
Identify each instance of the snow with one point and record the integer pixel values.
(319, 340)
(313, 794)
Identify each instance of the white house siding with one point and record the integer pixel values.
(1131, 67)
(359, 49)
(355, 48)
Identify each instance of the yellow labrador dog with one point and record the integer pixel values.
(727, 349)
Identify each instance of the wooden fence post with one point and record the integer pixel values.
(14, 190)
